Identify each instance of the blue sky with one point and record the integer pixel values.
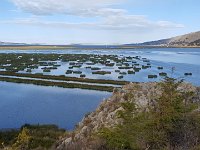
(96, 21)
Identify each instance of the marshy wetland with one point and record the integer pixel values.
(75, 81)
(85, 66)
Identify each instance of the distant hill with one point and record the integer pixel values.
(11, 44)
(191, 39)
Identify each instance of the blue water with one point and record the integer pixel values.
(184, 60)
(21, 103)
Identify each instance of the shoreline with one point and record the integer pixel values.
(67, 47)
(58, 84)
(65, 78)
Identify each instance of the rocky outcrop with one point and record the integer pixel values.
(106, 114)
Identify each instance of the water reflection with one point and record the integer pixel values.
(20, 103)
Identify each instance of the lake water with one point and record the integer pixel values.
(21, 103)
(183, 60)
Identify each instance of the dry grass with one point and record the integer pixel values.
(39, 47)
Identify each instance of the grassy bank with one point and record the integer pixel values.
(35, 47)
(58, 84)
(64, 78)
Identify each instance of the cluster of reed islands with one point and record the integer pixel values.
(74, 70)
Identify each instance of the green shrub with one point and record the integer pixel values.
(31, 137)
(188, 74)
(163, 74)
(152, 76)
(170, 122)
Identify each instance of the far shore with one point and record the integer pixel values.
(62, 47)
(34, 47)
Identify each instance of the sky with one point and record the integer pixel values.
(96, 21)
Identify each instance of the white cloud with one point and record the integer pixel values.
(110, 21)
(169, 24)
(118, 22)
(109, 17)
(137, 22)
(70, 7)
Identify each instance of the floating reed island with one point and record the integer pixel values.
(87, 68)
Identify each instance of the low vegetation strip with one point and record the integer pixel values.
(58, 84)
(64, 78)
(31, 137)
(34, 47)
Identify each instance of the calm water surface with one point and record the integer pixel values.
(21, 103)
(184, 60)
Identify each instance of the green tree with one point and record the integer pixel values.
(169, 122)
(22, 141)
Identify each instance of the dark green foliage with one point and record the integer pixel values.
(69, 72)
(160, 68)
(136, 69)
(131, 72)
(77, 72)
(49, 68)
(120, 77)
(126, 67)
(18, 62)
(136, 64)
(188, 74)
(63, 78)
(123, 73)
(119, 65)
(145, 67)
(28, 70)
(170, 122)
(163, 74)
(58, 84)
(77, 66)
(7, 137)
(148, 64)
(95, 68)
(43, 135)
(101, 72)
(110, 64)
(72, 63)
(46, 70)
(39, 136)
(152, 76)
(82, 75)
(88, 67)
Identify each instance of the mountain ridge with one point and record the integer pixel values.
(188, 40)
(11, 43)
